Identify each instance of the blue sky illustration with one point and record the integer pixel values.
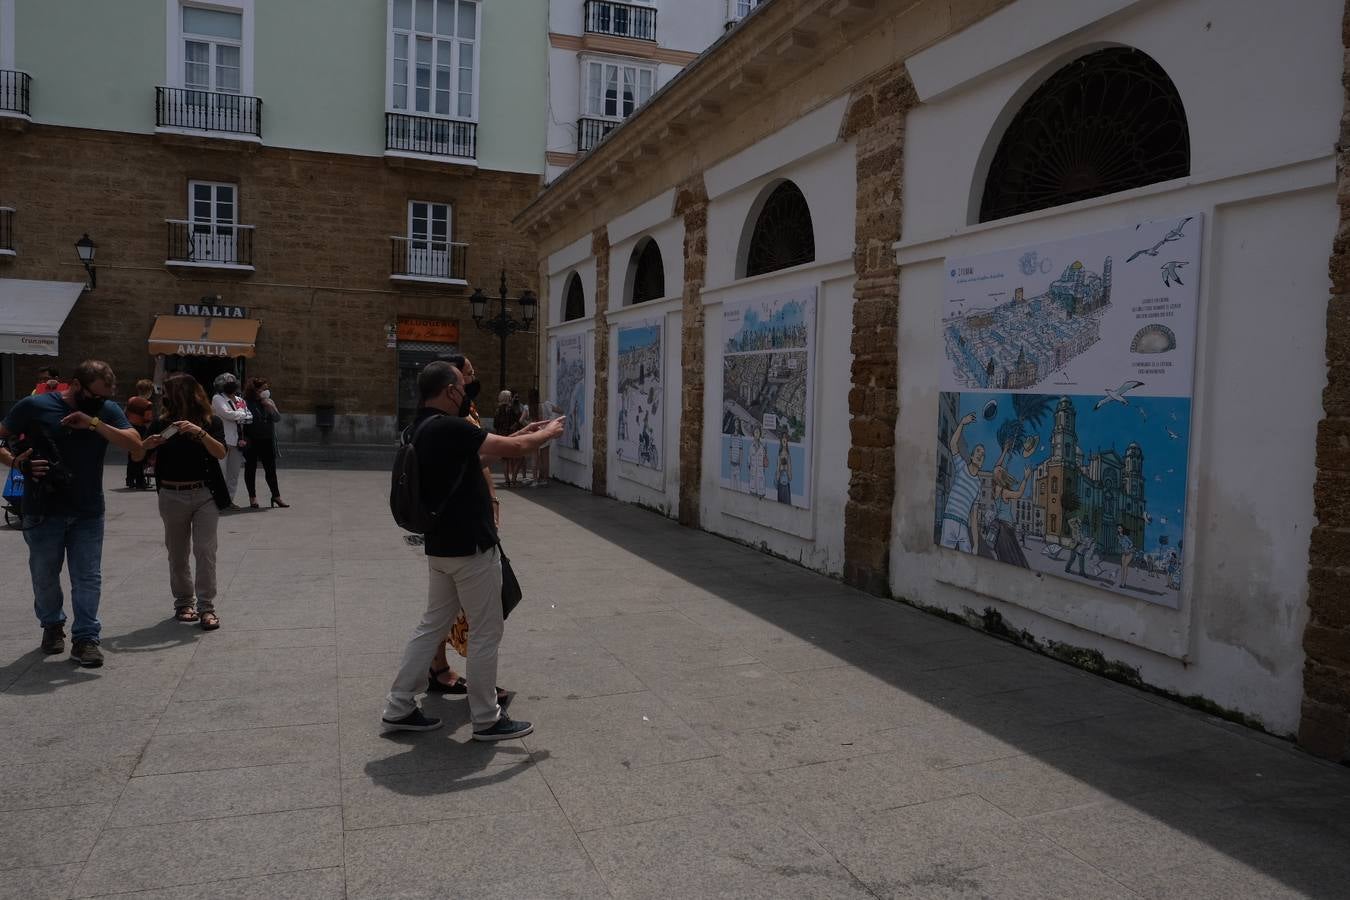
(787, 315)
(1112, 426)
(638, 338)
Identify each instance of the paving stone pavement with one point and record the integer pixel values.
(710, 722)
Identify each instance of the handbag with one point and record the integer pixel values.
(511, 596)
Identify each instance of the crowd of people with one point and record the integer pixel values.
(192, 448)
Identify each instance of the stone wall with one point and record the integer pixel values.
(691, 203)
(600, 406)
(322, 254)
(1325, 726)
(876, 123)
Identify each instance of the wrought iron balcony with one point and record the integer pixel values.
(6, 231)
(621, 19)
(590, 131)
(421, 259)
(405, 133)
(15, 92)
(208, 111)
(209, 245)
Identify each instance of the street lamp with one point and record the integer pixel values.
(85, 248)
(503, 324)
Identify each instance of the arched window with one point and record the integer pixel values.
(646, 273)
(1107, 122)
(783, 235)
(574, 299)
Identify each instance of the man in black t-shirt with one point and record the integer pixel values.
(463, 559)
(64, 438)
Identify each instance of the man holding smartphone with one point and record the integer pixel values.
(65, 438)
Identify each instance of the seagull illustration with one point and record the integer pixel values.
(1171, 471)
(1170, 433)
(1170, 273)
(1142, 414)
(1174, 417)
(1174, 235)
(1148, 519)
(1118, 395)
(1158, 478)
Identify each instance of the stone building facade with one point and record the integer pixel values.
(885, 117)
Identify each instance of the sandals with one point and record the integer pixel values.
(436, 686)
(185, 614)
(210, 621)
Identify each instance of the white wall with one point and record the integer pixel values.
(1263, 124)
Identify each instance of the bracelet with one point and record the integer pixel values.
(496, 502)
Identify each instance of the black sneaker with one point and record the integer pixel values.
(87, 654)
(413, 721)
(505, 729)
(53, 639)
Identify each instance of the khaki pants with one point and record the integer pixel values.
(473, 583)
(190, 519)
(230, 466)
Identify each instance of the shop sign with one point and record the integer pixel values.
(210, 311)
(203, 350)
(434, 331)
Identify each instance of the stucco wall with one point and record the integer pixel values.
(1263, 176)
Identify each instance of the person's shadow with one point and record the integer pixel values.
(457, 766)
(163, 635)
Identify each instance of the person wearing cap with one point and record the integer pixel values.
(233, 412)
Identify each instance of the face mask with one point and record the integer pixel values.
(266, 395)
(89, 404)
(471, 389)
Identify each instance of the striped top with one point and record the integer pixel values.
(965, 491)
(1124, 544)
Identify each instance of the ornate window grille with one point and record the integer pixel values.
(649, 276)
(1105, 123)
(574, 307)
(783, 235)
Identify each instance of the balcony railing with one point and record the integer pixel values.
(407, 133)
(420, 259)
(6, 231)
(621, 19)
(209, 245)
(208, 111)
(15, 91)
(590, 131)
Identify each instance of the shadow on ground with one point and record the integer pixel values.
(1259, 801)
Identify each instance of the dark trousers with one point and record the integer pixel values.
(265, 452)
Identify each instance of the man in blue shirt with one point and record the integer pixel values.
(63, 437)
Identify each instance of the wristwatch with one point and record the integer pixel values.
(94, 423)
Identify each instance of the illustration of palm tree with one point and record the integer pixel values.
(1029, 411)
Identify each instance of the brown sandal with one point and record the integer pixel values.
(210, 621)
(185, 614)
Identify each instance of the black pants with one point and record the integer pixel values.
(265, 452)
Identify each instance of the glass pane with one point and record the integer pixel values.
(425, 12)
(201, 192)
(400, 96)
(444, 49)
(201, 211)
(468, 20)
(213, 22)
(465, 106)
(403, 14)
(225, 193)
(423, 51)
(196, 51)
(445, 17)
(197, 76)
(593, 89)
(644, 85)
(227, 69)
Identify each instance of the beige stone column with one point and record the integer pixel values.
(600, 406)
(691, 202)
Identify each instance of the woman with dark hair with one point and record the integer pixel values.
(262, 441)
(189, 443)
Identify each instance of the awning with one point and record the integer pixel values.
(32, 313)
(200, 336)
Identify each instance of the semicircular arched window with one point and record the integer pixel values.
(649, 272)
(783, 235)
(1108, 122)
(574, 302)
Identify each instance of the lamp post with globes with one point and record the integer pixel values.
(503, 324)
(85, 248)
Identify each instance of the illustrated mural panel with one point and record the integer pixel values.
(640, 404)
(569, 391)
(1065, 406)
(768, 364)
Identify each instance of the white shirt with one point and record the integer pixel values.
(232, 412)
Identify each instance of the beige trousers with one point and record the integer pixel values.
(190, 519)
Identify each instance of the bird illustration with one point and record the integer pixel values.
(1170, 433)
(1171, 471)
(1118, 395)
(1162, 520)
(1174, 235)
(1148, 518)
(1170, 273)
(1142, 414)
(1174, 417)
(1158, 479)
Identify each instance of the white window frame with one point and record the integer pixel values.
(174, 37)
(215, 223)
(437, 260)
(620, 63)
(7, 34)
(411, 109)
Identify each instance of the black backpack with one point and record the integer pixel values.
(405, 489)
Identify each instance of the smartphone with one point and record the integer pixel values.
(169, 432)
